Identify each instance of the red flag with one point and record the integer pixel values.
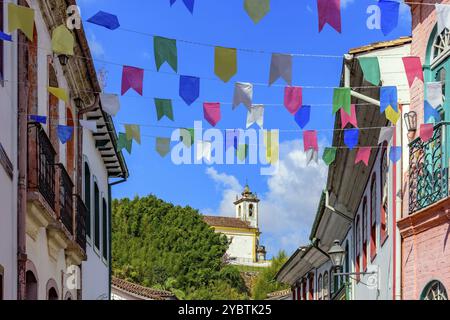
(293, 99)
(211, 112)
(329, 12)
(426, 131)
(132, 78)
(310, 140)
(363, 155)
(346, 118)
(413, 68)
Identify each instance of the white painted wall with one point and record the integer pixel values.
(242, 245)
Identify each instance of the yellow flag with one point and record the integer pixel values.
(271, 139)
(133, 131)
(62, 41)
(392, 115)
(225, 63)
(60, 93)
(22, 18)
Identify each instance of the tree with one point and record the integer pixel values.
(266, 282)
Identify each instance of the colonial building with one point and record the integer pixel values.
(125, 290)
(242, 231)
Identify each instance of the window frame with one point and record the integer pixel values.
(326, 285)
(96, 220)
(104, 233)
(364, 234)
(320, 287)
(373, 217)
(358, 246)
(88, 202)
(384, 195)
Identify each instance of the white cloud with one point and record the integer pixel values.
(345, 3)
(95, 46)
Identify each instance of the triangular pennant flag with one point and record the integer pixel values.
(211, 112)
(281, 66)
(242, 152)
(255, 115)
(60, 93)
(89, 124)
(386, 134)
(132, 78)
(430, 112)
(22, 18)
(187, 136)
(189, 4)
(389, 15)
(329, 12)
(413, 69)
(395, 154)
(310, 140)
(164, 108)
(39, 119)
(271, 139)
(312, 155)
(392, 115)
(434, 93)
(110, 103)
(133, 131)
(342, 99)
(293, 98)
(232, 138)
(257, 9)
(346, 118)
(203, 150)
(64, 133)
(363, 155)
(426, 131)
(5, 37)
(123, 142)
(63, 41)
(303, 116)
(165, 51)
(351, 137)
(371, 69)
(243, 93)
(104, 19)
(225, 63)
(388, 97)
(329, 155)
(163, 146)
(443, 17)
(189, 89)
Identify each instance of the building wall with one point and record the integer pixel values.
(242, 246)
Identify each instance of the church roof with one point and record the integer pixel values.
(144, 292)
(230, 222)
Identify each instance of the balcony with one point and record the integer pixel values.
(428, 169)
(80, 220)
(66, 207)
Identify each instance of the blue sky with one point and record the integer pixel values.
(289, 199)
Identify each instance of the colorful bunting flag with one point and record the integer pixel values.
(243, 93)
(110, 103)
(189, 89)
(303, 116)
(63, 41)
(329, 12)
(5, 37)
(430, 112)
(232, 138)
(189, 4)
(187, 136)
(255, 115)
(386, 134)
(363, 155)
(351, 137)
(123, 142)
(22, 18)
(329, 155)
(104, 19)
(64, 133)
(392, 115)
(346, 118)
(443, 17)
(165, 51)
(310, 140)
(388, 97)
(271, 139)
(413, 69)
(312, 155)
(132, 78)
(89, 124)
(293, 98)
(203, 150)
(60, 93)
(211, 112)
(371, 69)
(434, 93)
(163, 146)
(389, 15)
(242, 152)
(257, 9)
(395, 154)
(225, 63)
(133, 132)
(342, 99)
(39, 119)
(164, 108)
(426, 131)
(280, 66)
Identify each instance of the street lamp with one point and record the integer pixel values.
(337, 255)
(411, 123)
(63, 59)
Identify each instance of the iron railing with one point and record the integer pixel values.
(428, 169)
(80, 219)
(65, 199)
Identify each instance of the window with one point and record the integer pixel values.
(239, 211)
(373, 217)
(70, 145)
(304, 283)
(357, 246)
(87, 197)
(250, 210)
(319, 288)
(105, 229)
(441, 46)
(325, 286)
(435, 290)
(2, 23)
(364, 234)
(311, 287)
(1, 282)
(384, 217)
(96, 216)
(31, 290)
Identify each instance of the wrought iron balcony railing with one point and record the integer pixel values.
(82, 213)
(428, 169)
(41, 164)
(66, 199)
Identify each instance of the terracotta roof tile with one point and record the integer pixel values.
(216, 221)
(141, 291)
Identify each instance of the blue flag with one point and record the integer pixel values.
(303, 116)
(189, 88)
(389, 15)
(105, 19)
(351, 137)
(429, 112)
(395, 154)
(232, 138)
(388, 97)
(188, 3)
(64, 133)
(5, 37)
(40, 119)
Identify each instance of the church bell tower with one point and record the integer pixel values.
(247, 207)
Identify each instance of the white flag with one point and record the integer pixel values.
(203, 150)
(89, 124)
(434, 93)
(255, 115)
(281, 66)
(443, 17)
(243, 93)
(110, 103)
(386, 134)
(312, 155)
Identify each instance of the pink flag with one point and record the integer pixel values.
(211, 112)
(346, 118)
(293, 99)
(132, 78)
(363, 155)
(426, 131)
(329, 12)
(310, 140)
(413, 68)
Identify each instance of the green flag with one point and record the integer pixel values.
(225, 63)
(329, 155)
(371, 69)
(242, 152)
(164, 108)
(165, 51)
(342, 99)
(257, 9)
(133, 131)
(163, 146)
(187, 136)
(123, 142)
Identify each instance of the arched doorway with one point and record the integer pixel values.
(53, 107)
(52, 291)
(434, 290)
(31, 286)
